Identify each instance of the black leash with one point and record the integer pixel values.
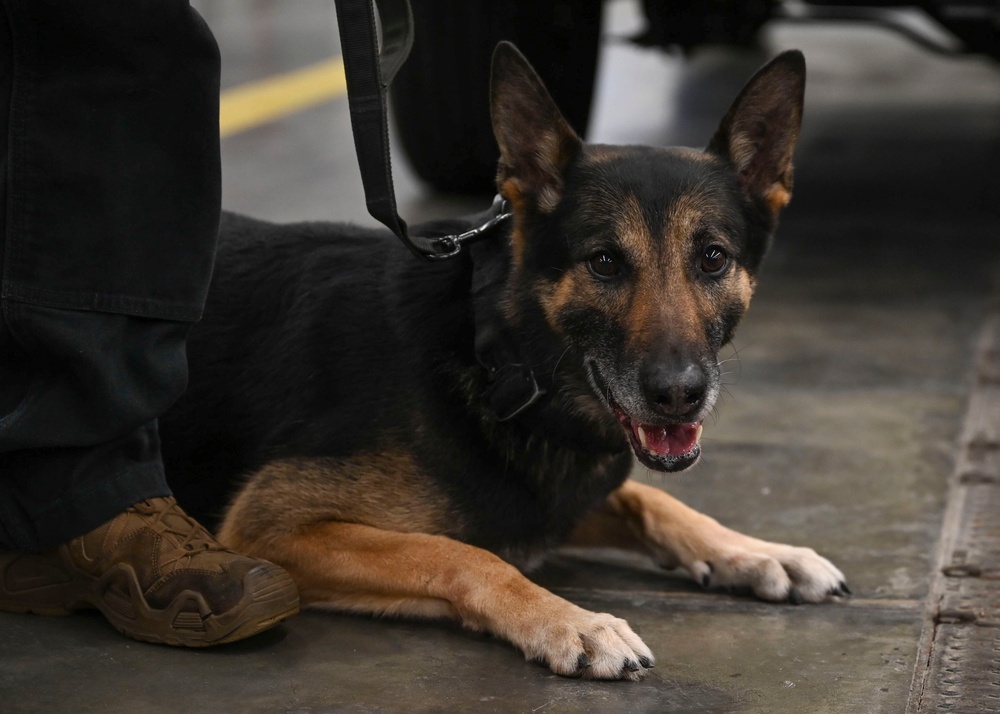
(369, 73)
(511, 384)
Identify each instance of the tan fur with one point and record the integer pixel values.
(510, 189)
(358, 568)
(645, 519)
(554, 299)
(383, 489)
(665, 297)
(743, 287)
(551, 158)
(577, 285)
(778, 196)
(632, 231)
(683, 310)
(765, 172)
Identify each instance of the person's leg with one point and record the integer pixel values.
(110, 187)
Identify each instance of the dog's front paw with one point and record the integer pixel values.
(774, 571)
(592, 645)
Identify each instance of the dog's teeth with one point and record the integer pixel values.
(697, 434)
(643, 439)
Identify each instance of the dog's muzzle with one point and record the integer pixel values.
(671, 444)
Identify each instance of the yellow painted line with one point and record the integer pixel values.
(257, 103)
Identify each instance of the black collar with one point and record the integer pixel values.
(512, 386)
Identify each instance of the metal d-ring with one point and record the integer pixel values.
(450, 246)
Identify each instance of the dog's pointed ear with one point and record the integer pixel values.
(536, 142)
(758, 134)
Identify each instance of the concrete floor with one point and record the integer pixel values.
(842, 428)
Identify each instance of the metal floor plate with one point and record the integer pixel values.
(959, 666)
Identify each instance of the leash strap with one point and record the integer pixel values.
(369, 73)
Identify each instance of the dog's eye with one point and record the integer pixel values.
(604, 265)
(714, 260)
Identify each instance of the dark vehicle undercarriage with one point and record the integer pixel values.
(437, 98)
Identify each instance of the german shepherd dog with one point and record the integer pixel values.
(407, 438)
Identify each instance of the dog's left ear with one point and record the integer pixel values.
(758, 134)
(536, 142)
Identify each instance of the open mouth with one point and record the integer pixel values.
(663, 447)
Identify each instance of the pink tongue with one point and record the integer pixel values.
(669, 440)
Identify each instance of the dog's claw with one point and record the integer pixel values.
(646, 662)
(631, 665)
(582, 662)
(705, 580)
(795, 597)
(842, 590)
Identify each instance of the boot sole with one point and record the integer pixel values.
(269, 596)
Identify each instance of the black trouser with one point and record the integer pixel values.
(109, 194)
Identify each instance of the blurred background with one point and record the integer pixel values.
(864, 79)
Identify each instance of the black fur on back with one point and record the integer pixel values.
(327, 340)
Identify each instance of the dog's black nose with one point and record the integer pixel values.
(674, 390)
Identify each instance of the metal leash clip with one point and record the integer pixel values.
(450, 246)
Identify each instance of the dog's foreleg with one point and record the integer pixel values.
(646, 519)
(358, 568)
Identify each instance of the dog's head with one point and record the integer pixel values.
(641, 261)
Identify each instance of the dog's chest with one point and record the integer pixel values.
(527, 499)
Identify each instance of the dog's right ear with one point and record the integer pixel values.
(536, 143)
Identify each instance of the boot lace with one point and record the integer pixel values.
(184, 533)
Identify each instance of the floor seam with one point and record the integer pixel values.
(958, 653)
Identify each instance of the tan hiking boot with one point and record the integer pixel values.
(157, 575)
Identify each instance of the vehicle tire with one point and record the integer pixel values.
(440, 97)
